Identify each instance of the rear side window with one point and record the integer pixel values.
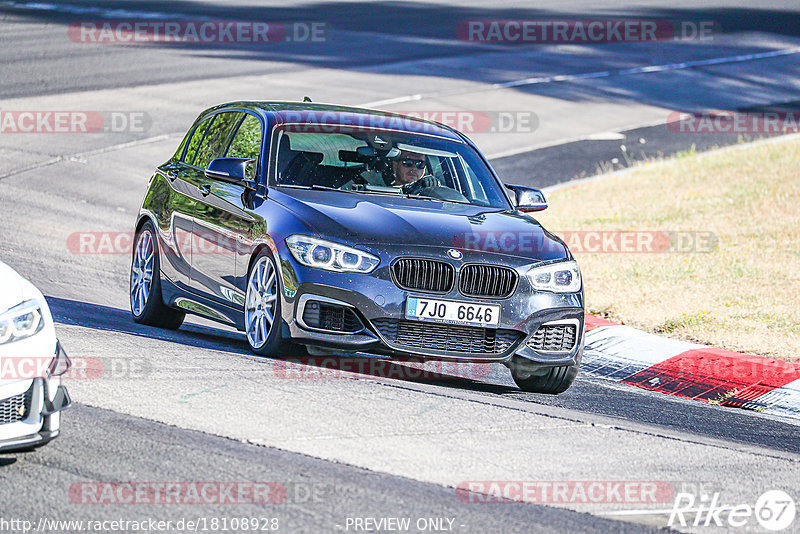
(179, 152)
(217, 137)
(194, 142)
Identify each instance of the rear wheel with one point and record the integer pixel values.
(548, 380)
(147, 305)
(262, 311)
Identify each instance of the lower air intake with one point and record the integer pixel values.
(447, 338)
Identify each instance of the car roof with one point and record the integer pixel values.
(330, 114)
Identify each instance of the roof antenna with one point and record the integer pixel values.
(306, 99)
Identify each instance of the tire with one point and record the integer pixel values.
(551, 381)
(262, 310)
(147, 303)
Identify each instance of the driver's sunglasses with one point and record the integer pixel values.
(408, 162)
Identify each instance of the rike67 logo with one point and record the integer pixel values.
(774, 510)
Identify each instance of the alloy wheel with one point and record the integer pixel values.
(142, 272)
(262, 292)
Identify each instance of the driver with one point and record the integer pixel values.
(411, 167)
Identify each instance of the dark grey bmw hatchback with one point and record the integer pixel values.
(342, 229)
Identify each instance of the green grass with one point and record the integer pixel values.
(742, 295)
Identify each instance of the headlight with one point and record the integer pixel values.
(329, 256)
(563, 277)
(21, 321)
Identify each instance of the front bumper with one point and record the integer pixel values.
(26, 442)
(45, 397)
(376, 298)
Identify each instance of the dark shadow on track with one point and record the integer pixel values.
(456, 375)
(99, 317)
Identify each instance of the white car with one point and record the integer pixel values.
(32, 363)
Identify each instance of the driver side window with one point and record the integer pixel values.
(247, 143)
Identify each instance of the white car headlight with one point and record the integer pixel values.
(21, 321)
(562, 277)
(321, 254)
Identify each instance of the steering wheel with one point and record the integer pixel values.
(429, 186)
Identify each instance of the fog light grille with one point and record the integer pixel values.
(16, 408)
(554, 338)
(333, 317)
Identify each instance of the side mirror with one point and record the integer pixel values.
(527, 198)
(231, 170)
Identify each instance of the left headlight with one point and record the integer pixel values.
(21, 321)
(562, 277)
(321, 254)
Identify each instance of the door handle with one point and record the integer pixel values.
(205, 190)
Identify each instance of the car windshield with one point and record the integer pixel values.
(386, 162)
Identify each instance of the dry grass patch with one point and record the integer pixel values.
(744, 294)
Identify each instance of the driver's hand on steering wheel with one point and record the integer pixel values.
(426, 182)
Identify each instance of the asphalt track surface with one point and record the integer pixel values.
(194, 405)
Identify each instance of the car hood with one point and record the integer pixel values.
(374, 220)
(15, 288)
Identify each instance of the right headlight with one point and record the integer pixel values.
(330, 256)
(24, 320)
(562, 277)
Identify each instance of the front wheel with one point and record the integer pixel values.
(147, 305)
(550, 381)
(262, 311)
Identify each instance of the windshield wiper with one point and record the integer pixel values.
(326, 188)
(434, 199)
(313, 186)
(420, 197)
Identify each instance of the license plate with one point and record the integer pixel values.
(446, 311)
